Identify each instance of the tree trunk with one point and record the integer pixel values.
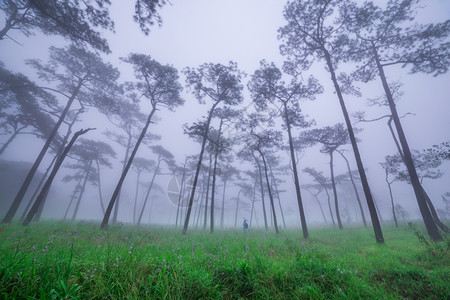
(125, 171)
(392, 197)
(436, 219)
(269, 190)
(83, 187)
(207, 193)
(148, 192)
(333, 184)
(75, 192)
(237, 208)
(9, 23)
(222, 214)
(362, 173)
(181, 193)
(197, 172)
(37, 190)
(100, 188)
(19, 197)
(116, 206)
(58, 154)
(253, 202)
(296, 180)
(213, 193)
(136, 196)
(354, 187)
(318, 202)
(52, 175)
(262, 193)
(430, 224)
(10, 139)
(278, 195)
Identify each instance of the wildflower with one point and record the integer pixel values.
(322, 276)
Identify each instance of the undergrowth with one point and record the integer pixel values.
(79, 261)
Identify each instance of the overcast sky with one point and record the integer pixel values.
(245, 31)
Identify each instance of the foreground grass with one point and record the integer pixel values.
(79, 261)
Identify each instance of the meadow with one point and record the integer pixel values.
(50, 260)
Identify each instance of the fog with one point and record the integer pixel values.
(201, 31)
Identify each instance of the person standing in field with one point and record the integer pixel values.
(245, 226)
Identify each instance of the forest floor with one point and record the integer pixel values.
(50, 260)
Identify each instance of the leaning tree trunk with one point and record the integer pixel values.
(269, 190)
(41, 182)
(362, 173)
(354, 187)
(52, 175)
(58, 154)
(148, 192)
(318, 202)
(83, 188)
(125, 171)
(19, 197)
(296, 180)
(436, 219)
(333, 184)
(116, 206)
(197, 172)
(10, 139)
(75, 192)
(430, 224)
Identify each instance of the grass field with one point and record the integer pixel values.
(52, 260)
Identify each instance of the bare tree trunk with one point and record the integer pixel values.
(253, 202)
(237, 208)
(274, 182)
(181, 193)
(354, 187)
(269, 190)
(430, 224)
(58, 154)
(333, 184)
(125, 171)
(52, 175)
(77, 206)
(207, 193)
(136, 196)
(392, 198)
(148, 192)
(320, 205)
(223, 205)
(116, 206)
(75, 192)
(19, 197)
(213, 193)
(37, 189)
(362, 173)
(10, 139)
(199, 164)
(262, 193)
(296, 180)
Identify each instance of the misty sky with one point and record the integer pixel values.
(245, 31)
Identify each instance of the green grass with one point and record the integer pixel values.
(79, 261)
